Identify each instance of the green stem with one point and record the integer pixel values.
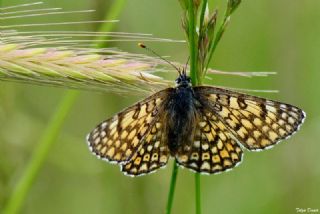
(195, 81)
(198, 191)
(48, 138)
(217, 39)
(172, 187)
(203, 11)
(230, 9)
(195, 77)
(192, 45)
(112, 14)
(40, 154)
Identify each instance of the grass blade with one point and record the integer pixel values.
(172, 187)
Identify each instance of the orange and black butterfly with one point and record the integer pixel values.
(204, 128)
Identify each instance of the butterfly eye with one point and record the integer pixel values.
(178, 80)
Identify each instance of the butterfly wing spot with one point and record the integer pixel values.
(265, 143)
(194, 156)
(224, 154)
(256, 134)
(242, 132)
(205, 156)
(110, 152)
(154, 157)
(205, 146)
(196, 144)
(103, 150)
(219, 144)
(246, 123)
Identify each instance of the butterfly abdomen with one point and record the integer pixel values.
(181, 118)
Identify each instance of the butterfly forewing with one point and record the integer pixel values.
(256, 122)
(213, 149)
(120, 137)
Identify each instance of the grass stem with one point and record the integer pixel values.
(195, 77)
(112, 14)
(217, 40)
(203, 11)
(194, 73)
(198, 193)
(172, 187)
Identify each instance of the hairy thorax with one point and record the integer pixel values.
(181, 114)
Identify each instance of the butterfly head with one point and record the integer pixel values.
(183, 80)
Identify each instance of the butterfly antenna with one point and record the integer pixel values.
(141, 45)
(186, 66)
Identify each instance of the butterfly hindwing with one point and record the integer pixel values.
(213, 149)
(256, 122)
(118, 138)
(153, 154)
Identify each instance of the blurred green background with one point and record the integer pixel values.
(265, 35)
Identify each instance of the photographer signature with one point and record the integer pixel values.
(307, 210)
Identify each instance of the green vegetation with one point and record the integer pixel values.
(65, 178)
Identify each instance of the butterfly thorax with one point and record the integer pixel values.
(181, 115)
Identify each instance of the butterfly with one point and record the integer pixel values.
(204, 128)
